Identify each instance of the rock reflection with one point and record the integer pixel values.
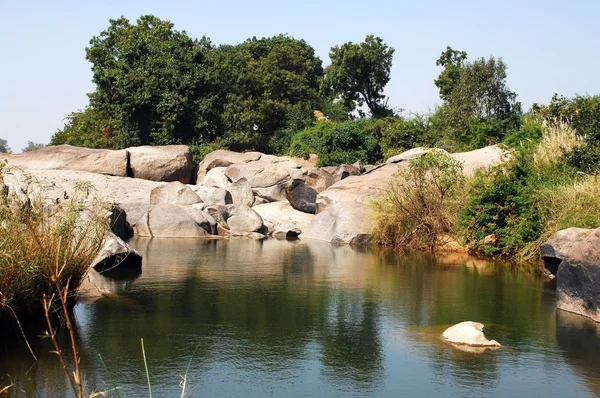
(579, 340)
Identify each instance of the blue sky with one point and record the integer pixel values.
(549, 46)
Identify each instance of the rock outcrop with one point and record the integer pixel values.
(301, 196)
(162, 163)
(282, 219)
(67, 157)
(468, 333)
(116, 254)
(577, 253)
(344, 222)
(243, 219)
(223, 158)
(173, 193)
(175, 221)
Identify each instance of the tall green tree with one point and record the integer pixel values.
(154, 80)
(358, 74)
(452, 62)
(4, 148)
(265, 82)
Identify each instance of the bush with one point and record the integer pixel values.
(396, 135)
(35, 246)
(421, 205)
(337, 143)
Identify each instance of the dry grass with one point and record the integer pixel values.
(35, 236)
(557, 138)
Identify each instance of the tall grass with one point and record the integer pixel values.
(36, 235)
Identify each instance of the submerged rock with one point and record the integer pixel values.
(468, 333)
(116, 254)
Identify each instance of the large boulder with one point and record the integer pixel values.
(215, 177)
(260, 174)
(116, 254)
(174, 193)
(67, 157)
(223, 158)
(243, 219)
(175, 221)
(162, 163)
(301, 196)
(281, 218)
(344, 222)
(241, 192)
(319, 179)
(219, 197)
(481, 158)
(560, 245)
(468, 333)
(220, 213)
(578, 277)
(119, 225)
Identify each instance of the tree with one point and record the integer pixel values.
(263, 82)
(32, 146)
(478, 108)
(154, 81)
(4, 148)
(358, 74)
(452, 62)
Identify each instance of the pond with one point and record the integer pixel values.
(243, 317)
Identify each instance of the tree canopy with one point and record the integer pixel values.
(32, 146)
(4, 148)
(153, 80)
(359, 72)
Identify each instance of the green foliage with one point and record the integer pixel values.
(91, 128)
(583, 114)
(154, 81)
(4, 148)
(396, 134)
(528, 135)
(419, 208)
(337, 143)
(32, 146)
(267, 84)
(452, 62)
(358, 74)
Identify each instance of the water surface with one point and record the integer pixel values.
(279, 318)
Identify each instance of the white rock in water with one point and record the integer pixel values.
(468, 333)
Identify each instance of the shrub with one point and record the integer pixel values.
(35, 245)
(337, 143)
(396, 135)
(421, 205)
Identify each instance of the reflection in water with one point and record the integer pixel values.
(307, 318)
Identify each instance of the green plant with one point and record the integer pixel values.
(420, 207)
(337, 143)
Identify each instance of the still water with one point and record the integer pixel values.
(278, 318)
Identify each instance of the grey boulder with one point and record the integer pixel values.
(162, 163)
(301, 196)
(173, 193)
(344, 222)
(175, 221)
(116, 254)
(243, 219)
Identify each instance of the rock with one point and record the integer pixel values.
(260, 174)
(481, 158)
(119, 224)
(243, 219)
(319, 179)
(202, 191)
(289, 234)
(281, 217)
(408, 155)
(301, 196)
(260, 201)
(174, 193)
(116, 254)
(345, 171)
(241, 192)
(560, 244)
(220, 213)
(362, 188)
(468, 333)
(67, 157)
(215, 177)
(345, 222)
(175, 221)
(578, 276)
(219, 197)
(223, 158)
(162, 163)
(276, 193)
